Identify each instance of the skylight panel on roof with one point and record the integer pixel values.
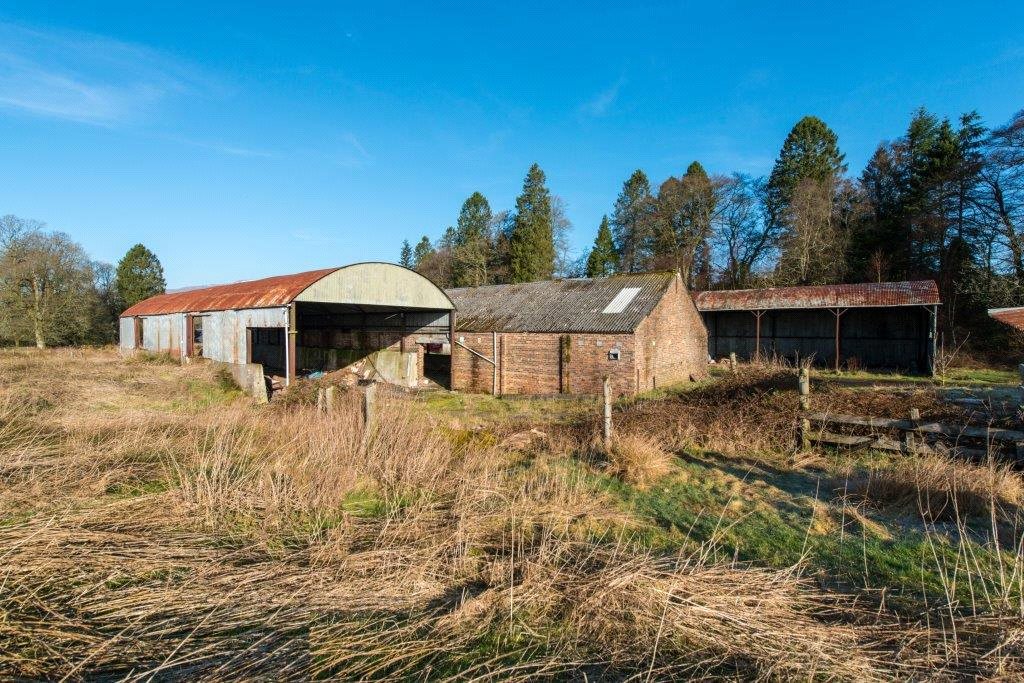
(621, 300)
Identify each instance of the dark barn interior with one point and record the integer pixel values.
(884, 326)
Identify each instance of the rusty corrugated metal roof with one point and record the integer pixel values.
(279, 290)
(574, 305)
(871, 294)
(1014, 317)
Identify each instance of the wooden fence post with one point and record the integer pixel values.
(369, 411)
(804, 381)
(607, 413)
(803, 434)
(329, 398)
(732, 361)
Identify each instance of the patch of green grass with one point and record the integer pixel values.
(971, 376)
(781, 519)
(151, 358)
(202, 394)
(140, 488)
(982, 376)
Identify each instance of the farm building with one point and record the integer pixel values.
(377, 314)
(565, 336)
(885, 325)
(1014, 317)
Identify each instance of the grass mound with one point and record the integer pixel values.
(943, 488)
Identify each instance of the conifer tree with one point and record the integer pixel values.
(405, 258)
(810, 151)
(531, 243)
(682, 219)
(472, 242)
(632, 222)
(603, 257)
(422, 251)
(139, 276)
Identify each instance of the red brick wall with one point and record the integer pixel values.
(533, 363)
(669, 346)
(672, 341)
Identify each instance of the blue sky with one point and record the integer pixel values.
(250, 139)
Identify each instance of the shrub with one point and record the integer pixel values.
(943, 488)
(638, 459)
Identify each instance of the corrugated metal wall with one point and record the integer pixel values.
(224, 331)
(126, 329)
(889, 338)
(224, 336)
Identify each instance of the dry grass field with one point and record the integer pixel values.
(157, 524)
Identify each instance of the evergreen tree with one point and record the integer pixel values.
(423, 250)
(531, 243)
(471, 249)
(405, 258)
(632, 222)
(682, 220)
(139, 276)
(811, 150)
(603, 257)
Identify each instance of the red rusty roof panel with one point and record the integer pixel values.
(871, 294)
(279, 290)
(1014, 317)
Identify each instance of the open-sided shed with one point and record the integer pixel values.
(885, 325)
(323, 320)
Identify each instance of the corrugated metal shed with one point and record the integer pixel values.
(358, 284)
(1014, 317)
(575, 305)
(874, 294)
(279, 290)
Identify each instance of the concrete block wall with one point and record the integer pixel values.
(388, 349)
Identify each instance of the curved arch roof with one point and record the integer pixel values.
(371, 284)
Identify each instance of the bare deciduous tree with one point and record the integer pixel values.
(812, 247)
(46, 284)
(742, 241)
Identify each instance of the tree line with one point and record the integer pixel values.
(53, 294)
(943, 201)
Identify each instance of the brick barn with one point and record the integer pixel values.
(564, 336)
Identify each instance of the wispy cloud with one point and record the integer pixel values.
(603, 101)
(85, 77)
(232, 150)
(351, 153)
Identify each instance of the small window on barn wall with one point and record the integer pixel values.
(613, 354)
